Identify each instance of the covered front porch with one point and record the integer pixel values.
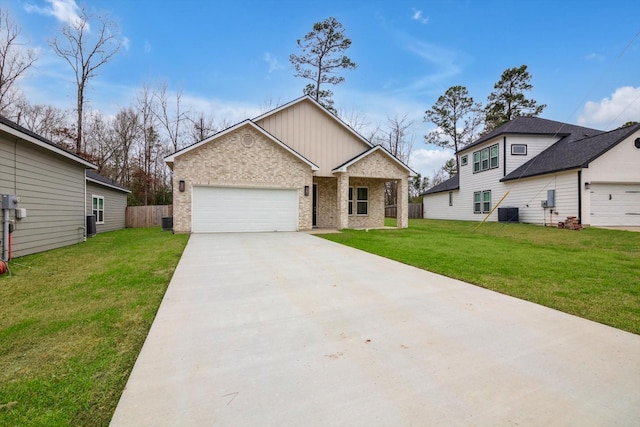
(347, 201)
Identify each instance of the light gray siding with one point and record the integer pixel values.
(51, 188)
(115, 204)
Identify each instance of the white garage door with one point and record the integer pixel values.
(224, 209)
(615, 205)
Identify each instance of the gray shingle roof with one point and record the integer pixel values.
(104, 180)
(571, 153)
(451, 184)
(536, 126)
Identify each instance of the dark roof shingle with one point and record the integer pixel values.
(451, 184)
(536, 126)
(571, 153)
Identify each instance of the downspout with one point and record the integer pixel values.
(504, 155)
(580, 197)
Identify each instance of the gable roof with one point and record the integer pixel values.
(96, 178)
(343, 167)
(321, 107)
(451, 184)
(25, 134)
(170, 158)
(536, 126)
(569, 153)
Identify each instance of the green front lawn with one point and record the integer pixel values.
(72, 322)
(593, 273)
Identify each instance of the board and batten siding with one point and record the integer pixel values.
(51, 188)
(115, 205)
(315, 135)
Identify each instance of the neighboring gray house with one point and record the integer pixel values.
(107, 201)
(50, 184)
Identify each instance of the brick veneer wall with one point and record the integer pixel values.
(230, 161)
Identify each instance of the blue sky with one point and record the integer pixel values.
(230, 58)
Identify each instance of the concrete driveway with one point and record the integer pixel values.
(287, 329)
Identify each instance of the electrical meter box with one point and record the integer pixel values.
(551, 198)
(9, 201)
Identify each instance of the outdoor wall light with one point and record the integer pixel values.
(181, 185)
(587, 185)
(306, 190)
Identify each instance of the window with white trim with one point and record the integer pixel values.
(486, 159)
(486, 201)
(482, 201)
(519, 149)
(97, 204)
(350, 200)
(362, 201)
(464, 160)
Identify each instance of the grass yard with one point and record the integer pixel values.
(593, 273)
(72, 322)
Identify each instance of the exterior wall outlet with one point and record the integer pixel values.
(21, 213)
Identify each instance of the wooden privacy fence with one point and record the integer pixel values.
(415, 210)
(147, 216)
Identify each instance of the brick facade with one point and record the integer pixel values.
(231, 161)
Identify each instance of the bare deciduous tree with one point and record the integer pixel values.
(45, 120)
(170, 117)
(15, 60)
(126, 131)
(85, 51)
(397, 140)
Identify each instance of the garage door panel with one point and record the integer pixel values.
(226, 209)
(615, 205)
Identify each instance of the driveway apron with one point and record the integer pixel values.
(288, 329)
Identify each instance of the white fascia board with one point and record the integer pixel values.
(344, 167)
(104, 184)
(171, 158)
(46, 146)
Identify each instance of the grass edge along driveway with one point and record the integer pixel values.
(593, 273)
(73, 321)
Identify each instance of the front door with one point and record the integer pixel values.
(314, 201)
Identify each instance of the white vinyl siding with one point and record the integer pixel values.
(231, 209)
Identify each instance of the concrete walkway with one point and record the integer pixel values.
(287, 329)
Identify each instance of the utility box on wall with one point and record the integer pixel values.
(9, 201)
(551, 198)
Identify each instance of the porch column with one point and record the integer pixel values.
(403, 203)
(343, 201)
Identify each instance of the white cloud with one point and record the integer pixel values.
(444, 62)
(426, 161)
(65, 11)
(595, 57)
(418, 16)
(273, 62)
(609, 113)
(126, 43)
